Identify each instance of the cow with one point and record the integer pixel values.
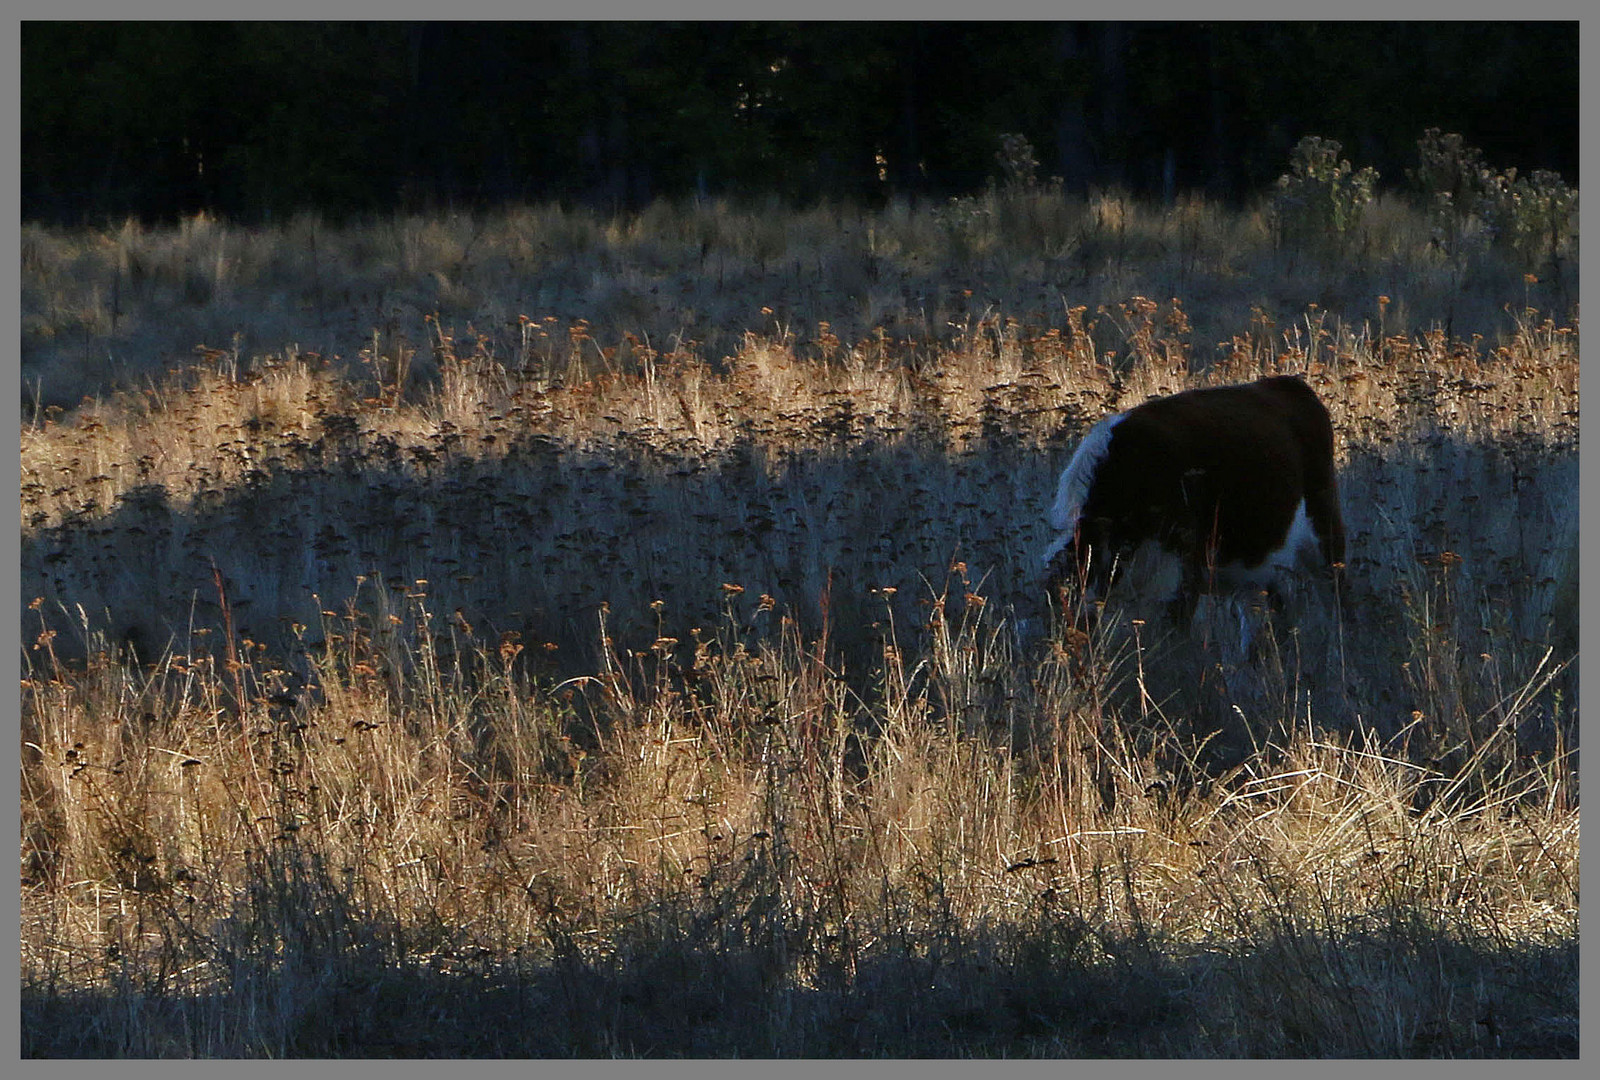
(1237, 481)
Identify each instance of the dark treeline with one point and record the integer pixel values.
(256, 120)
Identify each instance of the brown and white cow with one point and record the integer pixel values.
(1237, 481)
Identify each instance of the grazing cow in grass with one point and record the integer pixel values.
(1236, 481)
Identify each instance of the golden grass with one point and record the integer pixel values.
(725, 858)
(112, 308)
(583, 696)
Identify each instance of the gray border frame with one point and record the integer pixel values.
(812, 10)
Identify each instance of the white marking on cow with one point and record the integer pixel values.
(1297, 552)
(1076, 479)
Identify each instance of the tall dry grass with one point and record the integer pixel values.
(743, 855)
(115, 307)
(559, 691)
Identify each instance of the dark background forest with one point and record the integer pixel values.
(252, 121)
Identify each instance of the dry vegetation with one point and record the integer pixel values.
(612, 681)
(117, 306)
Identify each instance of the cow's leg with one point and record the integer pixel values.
(1322, 508)
(1180, 609)
(1195, 544)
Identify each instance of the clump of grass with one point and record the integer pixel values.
(1321, 196)
(1535, 216)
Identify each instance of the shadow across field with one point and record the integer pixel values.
(1458, 548)
(1046, 990)
(535, 539)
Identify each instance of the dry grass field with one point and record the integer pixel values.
(544, 635)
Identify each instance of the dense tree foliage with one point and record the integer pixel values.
(252, 120)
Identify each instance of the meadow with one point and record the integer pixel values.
(549, 634)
